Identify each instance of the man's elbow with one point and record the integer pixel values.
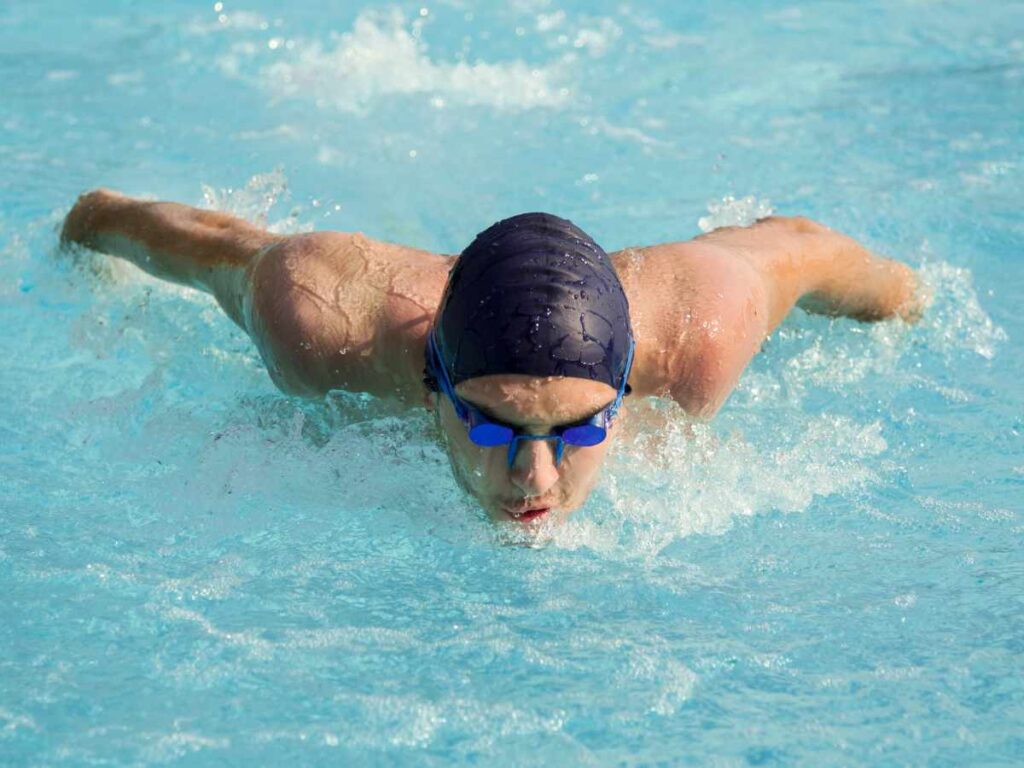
(703, 382)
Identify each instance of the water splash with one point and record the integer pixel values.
(255, 201)
(383, 55)
(684, 479)
(732, 212)
(956, 320)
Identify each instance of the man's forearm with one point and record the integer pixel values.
(842, 277)
(803, 262)
(169, 240)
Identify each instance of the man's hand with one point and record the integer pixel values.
(83, 221)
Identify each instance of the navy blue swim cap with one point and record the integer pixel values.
(534, 295)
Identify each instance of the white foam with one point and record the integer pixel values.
(666, 682)
(381, 57)
(173, 746)
(410, 720)
(710, 480)
(732, 212)
(955, 319)
(62, 74)
(598, 38)
(954, 323)
(668, 40)
(630, 133)
(134, 77)
(546, 22)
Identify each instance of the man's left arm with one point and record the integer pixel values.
(820, 270)
(703, 308)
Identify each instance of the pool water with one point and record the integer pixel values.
(196, 569)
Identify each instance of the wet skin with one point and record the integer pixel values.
(334, 310)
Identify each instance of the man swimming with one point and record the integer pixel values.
(526, 343)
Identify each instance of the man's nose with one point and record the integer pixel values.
(534, 471)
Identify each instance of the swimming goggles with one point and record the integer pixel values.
(490, 433)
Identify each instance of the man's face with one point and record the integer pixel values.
(536, 406)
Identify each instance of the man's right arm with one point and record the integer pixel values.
(198, 248)
(327, 310)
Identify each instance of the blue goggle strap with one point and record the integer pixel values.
(442, 378)
(614, 407)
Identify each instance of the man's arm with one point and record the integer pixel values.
(702, 309)
(327, 310)
(807, 264)
(202, 249)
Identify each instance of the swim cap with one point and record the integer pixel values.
(534, 295)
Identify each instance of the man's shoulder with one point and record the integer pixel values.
(336, 310)
(700, 314)
(695, 284)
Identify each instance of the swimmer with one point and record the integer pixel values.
(528, 344)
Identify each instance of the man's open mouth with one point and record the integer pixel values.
(526, 515)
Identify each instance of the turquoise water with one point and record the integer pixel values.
(198, 570)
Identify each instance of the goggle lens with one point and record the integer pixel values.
(489, 435)
(584, 435)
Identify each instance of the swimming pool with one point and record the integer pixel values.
(197, 569)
